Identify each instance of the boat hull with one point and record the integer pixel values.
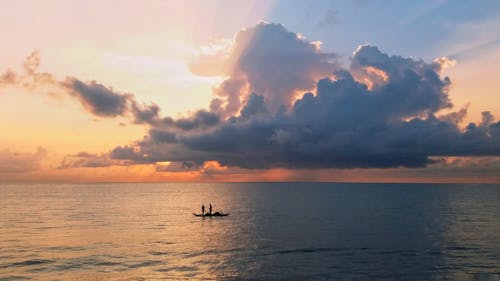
(211, 215)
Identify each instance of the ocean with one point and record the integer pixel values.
(275, 231)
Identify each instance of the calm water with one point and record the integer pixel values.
(276, 231)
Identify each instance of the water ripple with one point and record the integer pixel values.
(27, 263)
(296, 231)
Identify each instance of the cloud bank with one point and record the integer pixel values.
(381, 112)
(287, 104)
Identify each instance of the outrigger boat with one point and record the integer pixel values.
(216, 214)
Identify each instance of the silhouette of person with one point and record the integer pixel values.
(202, 209)
(210, 208)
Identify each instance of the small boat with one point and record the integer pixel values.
(216, 214)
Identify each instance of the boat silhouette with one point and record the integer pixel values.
(216, 214)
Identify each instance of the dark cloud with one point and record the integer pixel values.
(255, 105)
(201, 119)
(16, 162)
(455, 117)
(410, 87)
(123, 153)
(97, 98)
(383, 112)
(145, 113)
(103, 101)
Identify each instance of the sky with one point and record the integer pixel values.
(348, 91)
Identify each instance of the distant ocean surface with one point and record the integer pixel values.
(275, 231)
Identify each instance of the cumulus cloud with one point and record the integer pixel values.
(381, 112)
(19, 162)
(269, 60)
(287, 104)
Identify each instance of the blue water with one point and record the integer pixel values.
(275, 231)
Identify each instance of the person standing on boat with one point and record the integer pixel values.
(210, 208)
(202, 209)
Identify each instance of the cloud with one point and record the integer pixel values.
(408, 87)
(97, 98)
(492, 163)
(287, 104)
(266, 59)
(145, 113)
(124, 153)
(17, 162)
(32, 63)
(201, 119)
(86, 160)
(30, 78)
(382, 112)
(177, 167)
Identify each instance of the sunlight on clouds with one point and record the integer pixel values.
(475, 82)
(221, 46)
(445, 62)
(184, 101)
(372, 76)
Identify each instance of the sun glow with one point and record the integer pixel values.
(192, 67)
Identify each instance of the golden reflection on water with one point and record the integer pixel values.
(118, 232)
(148, 232)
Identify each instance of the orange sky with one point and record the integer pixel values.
(145, 49)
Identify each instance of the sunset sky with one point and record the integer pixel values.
(363, 91)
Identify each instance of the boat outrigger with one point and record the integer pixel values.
(216, 214)
(209, 213)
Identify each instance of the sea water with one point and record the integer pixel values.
(275, 231)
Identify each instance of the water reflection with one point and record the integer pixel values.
(294, 231)
(473, 235)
